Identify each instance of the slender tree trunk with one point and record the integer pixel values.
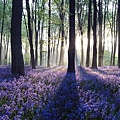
(94, 62)
(41, 37)
(80, 26)
(82, 53)
(100, 33)
(62, 41)
(115, 35)
(6, 51)
(41, 43)
(54, 49)
(71, 50)
(16, 44)
(36, 35)
(118, 33)
(57, 51)
(30, 36)
(26, 26)
(111, 59)
(2, 27)
(88, 35)
(104, 31)
(49, 24)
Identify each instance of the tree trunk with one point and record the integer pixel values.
(94, 61)
(6, 51)
(16, 44)
(100, 33)
(105, 11)
(36, 35)
(88, 35)
(115, 35)
(118, 21)
(62, 14)
(49, 24)
(30, 35)
(71, 50)
(41, 43)
(111, 26)
(2, 27)
(54, 49)
(57, 51)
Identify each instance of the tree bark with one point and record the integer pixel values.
(100, 33)
(88, 35)
(30, 35)
(36, 35)
(94, 61)
(62, 14)
(16, 44)
(118, 33)
(71, 50)
(115, 35)
(104, 30)
(49, 24)
(2, 28)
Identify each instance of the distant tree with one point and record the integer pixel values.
(118, 33)
(115, 32)
(16, 44)
(6, 48)
(30, 35)
(49, 24)
(36, 33)
(88, 34)
(111, 20)
(100, 33)
(80, 12)
(42, 18)
(104, 29)
(94, 61)
(57, 47)
(62, 15)
(71, 50)
(2, 28)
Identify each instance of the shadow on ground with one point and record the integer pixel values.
(98, 85)
(65, 102)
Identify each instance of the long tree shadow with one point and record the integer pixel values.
(114, 72)
(44, 69)
(95, 82)
(65, 103)
(79, 99)
(98, 85)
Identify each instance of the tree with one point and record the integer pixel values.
(118, 33)
(62, 14)
(80, 12)
(94, 61)
(88, 35)
(104, 28)
(49, 23)
(115, 33)
(42, 18)
(36, 34)
(71, 50)
(30, 34)
(2, 28)
(100, 33)
(16, 44)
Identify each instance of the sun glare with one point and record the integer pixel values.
(77, 42)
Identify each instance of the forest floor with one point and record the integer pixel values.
(53, 94)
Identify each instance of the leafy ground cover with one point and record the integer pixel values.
(53, 94)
